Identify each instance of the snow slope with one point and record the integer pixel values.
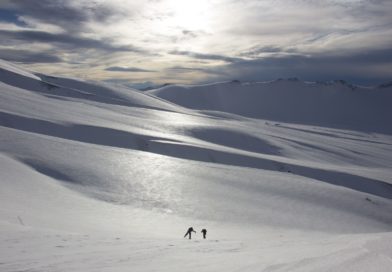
(97, 177)
(335, 104)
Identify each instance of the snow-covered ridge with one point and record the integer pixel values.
(7, 66)
(331, 104)
(77, 89)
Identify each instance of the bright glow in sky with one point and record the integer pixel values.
(191, 15)
(194, 41)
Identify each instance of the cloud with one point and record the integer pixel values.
(220, 39)
(25, 56)
(192, 34)
(63, 40)
(10, 16)
(204, 56)
(146, 85)
(189, 33)
(128, 69)
(259, 50)
(183, 69)
(362, 68)
(70, 15)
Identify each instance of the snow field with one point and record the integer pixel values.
(96, 177)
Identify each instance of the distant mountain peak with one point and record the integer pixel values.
(385, 85)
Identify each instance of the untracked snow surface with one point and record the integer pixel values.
(285, 176)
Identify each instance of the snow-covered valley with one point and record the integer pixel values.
(285, 176)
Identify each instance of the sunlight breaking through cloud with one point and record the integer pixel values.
(216, 39)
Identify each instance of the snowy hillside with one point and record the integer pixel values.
(334, 104)
(99, 177)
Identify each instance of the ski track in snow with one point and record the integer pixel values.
(98, 177)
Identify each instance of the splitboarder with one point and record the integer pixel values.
(204, 231)
(189, 232)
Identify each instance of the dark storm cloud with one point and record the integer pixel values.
(62, 13)
(358, 67)
(204, 56)
(127, 69)
(62, 40)
(25, 56)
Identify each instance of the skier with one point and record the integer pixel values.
(204, 231)
(189, 232)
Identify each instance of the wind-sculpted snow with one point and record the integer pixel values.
(71, 89)
(129, 140)
(235, 139)
(90, 158)
(8, 67)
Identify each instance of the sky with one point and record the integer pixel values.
(151, 42)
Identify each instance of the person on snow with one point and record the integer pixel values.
(189, 232)
(204, 231)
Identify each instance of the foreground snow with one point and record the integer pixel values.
(31, 250)
(52, 228)
(102, 178)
